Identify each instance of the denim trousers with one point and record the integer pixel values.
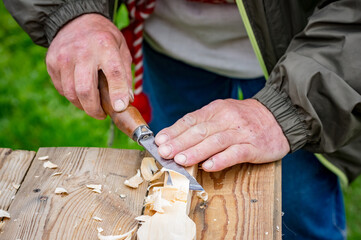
(312, 201)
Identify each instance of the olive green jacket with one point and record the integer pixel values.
(309, 51)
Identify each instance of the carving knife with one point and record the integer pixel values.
(131, 122)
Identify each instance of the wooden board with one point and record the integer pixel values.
(244, 203)
(13, 167)
(37, 213)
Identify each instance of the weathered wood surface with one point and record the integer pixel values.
(244, 203)
(13, 167)
(38, 213)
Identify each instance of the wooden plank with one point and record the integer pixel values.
(37, 213)
(244, 203)
(13, 167)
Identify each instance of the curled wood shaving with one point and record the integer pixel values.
(4, 214)
(43, 158)
(202, 195)
(50, 165)
(56, 174)
(142, 218)
(97, 219)
(148, 168)
(154, 184)
(60, 190)
(125, 236)
(134, 181)
(16, 186)
(95, 188)
(170, 203)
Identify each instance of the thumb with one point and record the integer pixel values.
(118, 85)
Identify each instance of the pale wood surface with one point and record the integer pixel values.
(37, 213)
(244, 203)
(13, 167)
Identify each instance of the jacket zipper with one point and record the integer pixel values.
(252, 37)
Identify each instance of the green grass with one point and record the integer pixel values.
(33, 114)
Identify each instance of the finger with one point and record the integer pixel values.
(127, 61)
(86, 87)
(68, 86)
(176, 129)
(210, 146)
(54, 75)
(233, 155)
(204, 114)
(191, 137)
(117, 78)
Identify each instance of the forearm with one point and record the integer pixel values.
(314, 90)
(43, 19)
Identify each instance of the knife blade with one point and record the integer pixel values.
(131, 122)
(144, 136)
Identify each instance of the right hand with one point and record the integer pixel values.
(81, 48)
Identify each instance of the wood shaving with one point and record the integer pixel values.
(125, 236)
(43, 158)
(134, 181)
(50, 165)
(154, 184)
(202, 195)
(100, 229)
(148, 168)
(95, 188)
(2, 223)
(122, 195)
(56, 174)
(60, 190)
(97, 219)
(142, 218)
(170, 203)
(16, 186)
(4, 214)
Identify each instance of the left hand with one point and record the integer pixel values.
(224, 133)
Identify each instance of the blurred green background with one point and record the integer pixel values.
(33, 114)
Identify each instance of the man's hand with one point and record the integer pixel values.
(224, 133)
(82, 47)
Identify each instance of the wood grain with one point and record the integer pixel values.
(37, 213)
(244, 203)
(13, 167)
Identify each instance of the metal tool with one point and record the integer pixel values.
(131, 122)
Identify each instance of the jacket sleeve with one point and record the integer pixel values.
(314, 91)
(42, 19)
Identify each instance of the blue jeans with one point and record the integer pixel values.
(312, 200)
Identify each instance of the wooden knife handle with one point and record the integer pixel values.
(129, 119)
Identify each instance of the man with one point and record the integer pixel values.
(311, 100)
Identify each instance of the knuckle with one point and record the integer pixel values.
(189, 119)
(115, 72)
(70, 95)
(200, 130)
(104, 39)
(242, 153)
(220, 140)
(83, 90)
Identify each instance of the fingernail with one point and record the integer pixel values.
(119, 105)
(208, 164)
(165, 150)
(180, 158)
(131, 95)
(162, 138)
